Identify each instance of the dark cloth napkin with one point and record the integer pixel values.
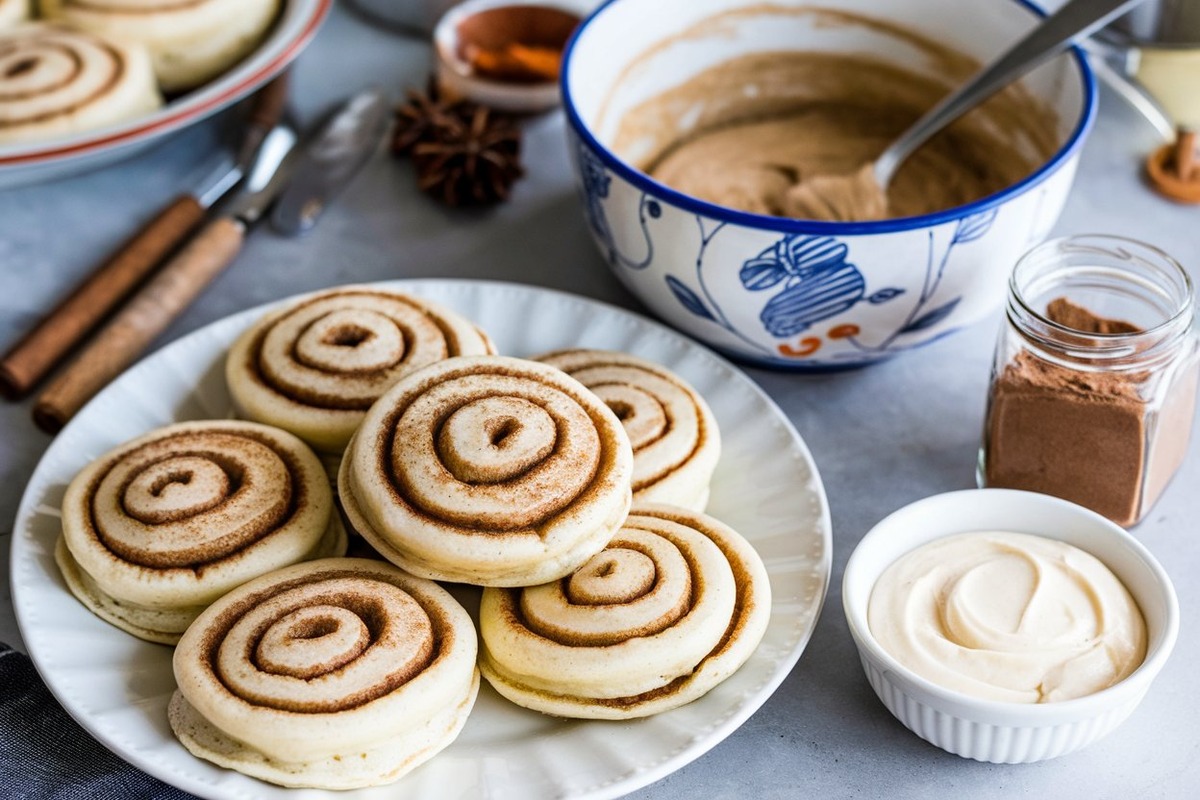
(45, 754)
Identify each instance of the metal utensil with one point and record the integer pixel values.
(862, 194)
(342, 145)
(1074, 20)
(179, 281)
(30, 359)
(1151, 57)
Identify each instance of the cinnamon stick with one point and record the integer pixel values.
(144, 317)
(33, 356)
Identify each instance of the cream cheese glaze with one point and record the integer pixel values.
(1008, 616)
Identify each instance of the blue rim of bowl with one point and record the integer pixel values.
(786, 225)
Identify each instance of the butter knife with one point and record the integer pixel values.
(45, 345)
(341, 146)
(173, 288)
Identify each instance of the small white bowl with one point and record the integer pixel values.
(988, 730)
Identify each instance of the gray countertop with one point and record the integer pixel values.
(882, 436)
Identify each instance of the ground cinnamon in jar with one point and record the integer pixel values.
(1062, 431)
(1094, 380)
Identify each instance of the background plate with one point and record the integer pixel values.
(766, 486)
(29, 162)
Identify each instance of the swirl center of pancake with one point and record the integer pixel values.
(519, 451)
(640, 585)
(312, 641)
(341, 351)
(54, 72)
(495, 439)
(20, 67)
(612, 576)
(191, 499)
(32, 69)
(367, 638)
(351, 341)
(640, 412)
(175, 489)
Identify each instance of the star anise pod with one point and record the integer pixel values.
(474, 161)
(422, 116)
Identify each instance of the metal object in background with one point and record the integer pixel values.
(1162, 22)
(1076, 19)
(109, 284)
(181, 280)
(343, 144)
(1152, 57)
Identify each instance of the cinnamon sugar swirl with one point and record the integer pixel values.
(316, 366)
(158, 528)
(191, 41)
(674, 605)
(676, 442)
(335, 674)
(55, 82)
(488, 470)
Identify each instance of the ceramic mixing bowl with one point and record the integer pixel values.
(788, 293)
(992, 730)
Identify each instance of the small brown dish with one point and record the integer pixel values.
(503, 54)
(1174, 169)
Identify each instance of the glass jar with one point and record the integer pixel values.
(1093, 385)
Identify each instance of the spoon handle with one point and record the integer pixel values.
(1075, 19)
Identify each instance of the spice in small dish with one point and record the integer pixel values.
(518, 44)
(504, 55)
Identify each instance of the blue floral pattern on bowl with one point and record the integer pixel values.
(811, 298)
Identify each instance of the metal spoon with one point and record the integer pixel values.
(843, 196)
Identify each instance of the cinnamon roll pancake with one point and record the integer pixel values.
(674, 605)
(55, 81)
(676, 443)
(316, 366)
(488, 470)
(334, 674)
(161, 526)
(190, 41)
(13, 12)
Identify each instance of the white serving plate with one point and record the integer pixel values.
(31, 162)
(766, 486)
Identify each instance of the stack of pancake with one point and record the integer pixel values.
(570, 488)
(81, 65)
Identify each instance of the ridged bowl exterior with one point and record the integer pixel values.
(990, 730)
(983, 741)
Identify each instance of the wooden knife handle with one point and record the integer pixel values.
(144, 317)
(28, 361)
(267, 107)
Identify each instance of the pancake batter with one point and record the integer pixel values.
(747, 132)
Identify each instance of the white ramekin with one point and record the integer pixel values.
(995, 731)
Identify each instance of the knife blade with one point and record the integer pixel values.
(343, 145)
(45, 345)
(173, 288)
